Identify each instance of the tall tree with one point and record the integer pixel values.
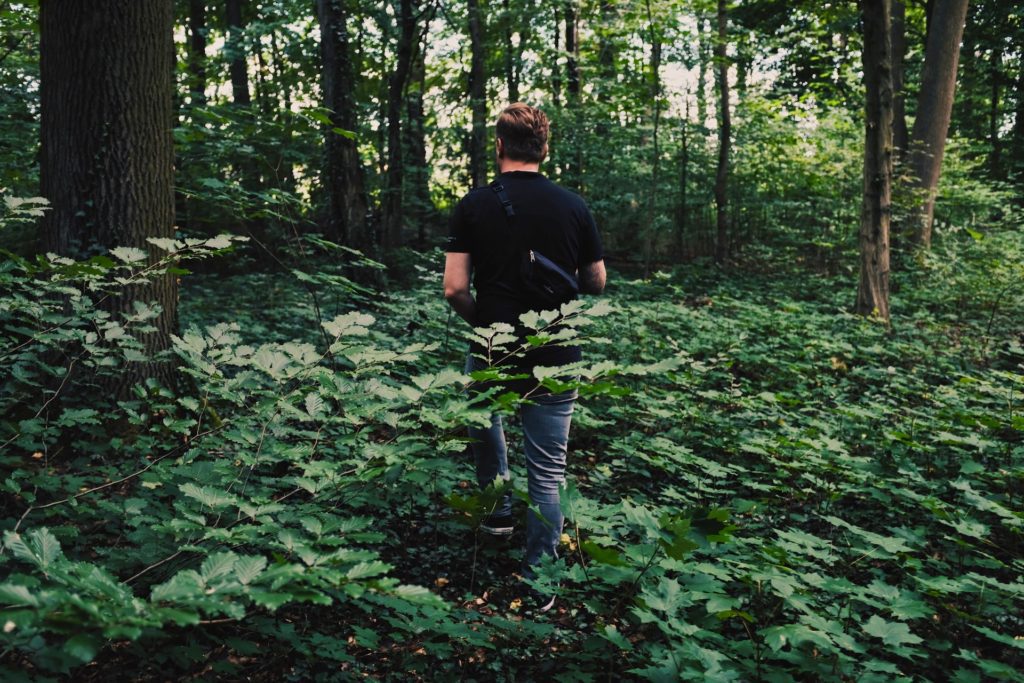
(346, 222)
(107, 159)
(899, 52)
(197, 51)
(392, 204)
(477, 87)
(873, 288)
(235, 49)
(574, 166)
(724, 137)
(935, 106)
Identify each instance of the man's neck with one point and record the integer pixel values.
(509, 165)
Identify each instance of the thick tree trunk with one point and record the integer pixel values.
(724, 133)
(935, 106)
(900, 137)
(392, 204)
(346, 222)
(873, 289)
(235, 49)
(197, 52)
(107, 158)
(477, 90)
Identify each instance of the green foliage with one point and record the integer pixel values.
(762, 486)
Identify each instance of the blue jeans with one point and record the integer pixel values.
(545, 422)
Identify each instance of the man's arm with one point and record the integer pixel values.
(457, 268)
(592, 277)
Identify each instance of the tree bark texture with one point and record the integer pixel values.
(873, 288)
(724, 137)
(935, 106)
(513, 53)
(197, 51)
(900, 136)
(235, 48)
(343, 170)
(392, 202)
(477, 90)
(107, 156)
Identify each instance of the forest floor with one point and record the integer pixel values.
(780, 490)
(761, 486)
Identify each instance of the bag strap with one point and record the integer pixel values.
(506, 203)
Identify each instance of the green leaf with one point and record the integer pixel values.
(129, 254)
(891, 632)
(603, 555)
(82, 647)
(218, 564)
(14, 595)
(248, 568)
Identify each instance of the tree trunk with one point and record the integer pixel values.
(477, 89)
(935, 106)
(684, 179)
(343, 175)
(420, 207)
(702, 71)
(654, 96)
(392, 204)
(899, 53)
(724, 132)
(513, 54)
(235, 50)
(556, 74)
(107, 156)
(995, 160)
(873, 289)
(574, 167)
(197, 52)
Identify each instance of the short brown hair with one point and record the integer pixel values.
(523, 130)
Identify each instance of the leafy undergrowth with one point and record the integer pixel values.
(762, 487)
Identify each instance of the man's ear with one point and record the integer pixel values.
(499, 145)
(544, 152)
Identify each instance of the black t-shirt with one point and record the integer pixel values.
(554, 222)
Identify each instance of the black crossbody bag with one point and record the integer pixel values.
(543, 279)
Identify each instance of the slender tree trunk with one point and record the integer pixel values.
(995, 160)
(556, 73)
(513, 54)
(236, 54)
(703, 57)
(684, 179)
(873, 289)
(724, 142)
(420, 206)
(393, 204)
(935, 106)
(477, 87)
(107, 156)
(899, 53)
(343, 175)
(574, 168)
(654, 95)
(197, 52)
(1016, 161)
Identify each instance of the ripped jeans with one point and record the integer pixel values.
(545, 421)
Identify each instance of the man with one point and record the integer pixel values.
(487, 242)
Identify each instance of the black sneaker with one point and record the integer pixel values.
(498, 525)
